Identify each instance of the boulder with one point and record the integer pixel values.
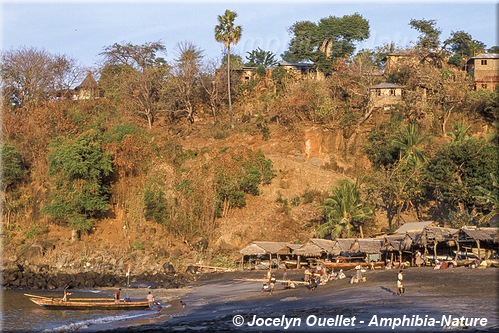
(168, 268)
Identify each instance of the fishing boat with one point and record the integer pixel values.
(86, 303)
(351, 265)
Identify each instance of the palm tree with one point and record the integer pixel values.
(409, 143)
(227, 33)
(344, 211)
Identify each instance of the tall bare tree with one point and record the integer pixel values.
(135, 74)
(31, 76)
(186, 77)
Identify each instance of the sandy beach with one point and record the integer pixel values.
(435, 300)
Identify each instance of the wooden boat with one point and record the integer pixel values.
(352, 265)
(85, 304)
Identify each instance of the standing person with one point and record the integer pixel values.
(400, 283)
(284, 275)
(419, 260)
(117, 295)
(150, 300)
(66, 294)
(272, 284)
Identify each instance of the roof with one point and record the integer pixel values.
(309, 249)
(89, 82)
(395, 242)
(481, 233)
(259, 247)
(344, 244)
(486, 56)
(296, 64)
(386, 85)
(326, 245)
(318, 246)
(403, 53)
(413, 226)
(431, 234)
(367, 245)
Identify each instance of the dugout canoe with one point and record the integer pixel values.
(51, 303)
(352, 265)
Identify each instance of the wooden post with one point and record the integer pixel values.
(435, 250)
(478, 244)
(457, 250)
(298, 262)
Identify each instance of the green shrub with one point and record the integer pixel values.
(155, 205)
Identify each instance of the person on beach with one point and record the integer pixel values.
(400, 283)
(150, 300)
(419, 259)
(117, 295)
(272, 282)
(65, 296)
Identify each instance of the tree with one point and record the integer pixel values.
(227, 33)
(410, 144)
(329, 39)
(493, 49)
(13, 169)
(134, 75)
(490, 199)
(212, 88)
(186, 76)
(31, 76)
(79, 169)
(260, 57)
(459, 173)
(463, 47)
(429, 34)
(344, 211)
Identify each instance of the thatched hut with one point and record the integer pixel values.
(399, 247)
(478, 239)
(441, 241)
(88, 89)
(265, 250)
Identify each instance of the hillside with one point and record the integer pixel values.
(281, 212)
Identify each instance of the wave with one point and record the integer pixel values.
(97, 321)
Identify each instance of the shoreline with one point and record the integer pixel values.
(215, 299)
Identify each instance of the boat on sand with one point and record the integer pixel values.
(85, 304)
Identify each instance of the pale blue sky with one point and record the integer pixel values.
(82, 29)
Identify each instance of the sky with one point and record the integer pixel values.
(82, 29)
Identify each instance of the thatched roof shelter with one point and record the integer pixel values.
(309, 250)
(482, 234)
(437, 234)
(393, 243)
(413, 227)
(344, 244)
(366, 245)
(318, 247)
(260, 247)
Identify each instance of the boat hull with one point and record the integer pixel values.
(81, 305)
(351, 265)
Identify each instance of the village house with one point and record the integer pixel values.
(385, 95)
(245, 74)
(298, 69)
(88, 89)
(484, 69)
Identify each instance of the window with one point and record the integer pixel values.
(392, 92)
(484, 85)
(483, 62)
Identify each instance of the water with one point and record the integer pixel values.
(19, 314)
